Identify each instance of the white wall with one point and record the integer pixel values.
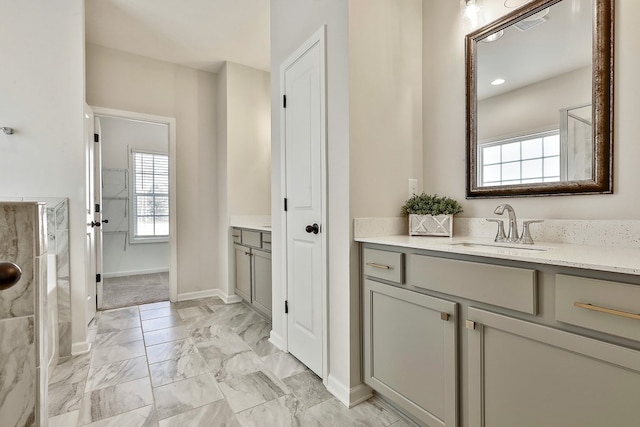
(118, 137)
(42, 87)
(128, 82)
(444, 121)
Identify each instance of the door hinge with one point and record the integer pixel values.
(284, 101)
(286, 307)
(97, 207)
(96, 137)
(285, 204)
(98, 278)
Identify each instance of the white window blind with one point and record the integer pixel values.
(150, 195)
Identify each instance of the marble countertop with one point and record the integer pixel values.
(611, 259)
(262, 228)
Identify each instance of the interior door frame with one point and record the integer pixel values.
(319, 38)
(173, 238)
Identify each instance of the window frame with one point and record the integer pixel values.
(133, 238)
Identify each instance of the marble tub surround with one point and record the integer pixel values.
(202, 368)
(23, 307)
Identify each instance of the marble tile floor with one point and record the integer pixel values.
(197, 363)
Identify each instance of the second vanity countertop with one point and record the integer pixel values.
(263, 228)
(602, 258)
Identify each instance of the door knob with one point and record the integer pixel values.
(10, 274)
(106, 221)
(315, 229)
(95, 224)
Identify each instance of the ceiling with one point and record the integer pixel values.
(200, 34)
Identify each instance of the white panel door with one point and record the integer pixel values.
(97, 161)
(304, 143)
(90, 242)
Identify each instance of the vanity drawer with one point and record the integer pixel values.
(508, 287)
(251, 238)
(601, 305)
(235, 234)
(384, 265)
(266, 241)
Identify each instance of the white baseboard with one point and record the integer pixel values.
(81, 347)
(134, 272)
(276, 340)
(349, 397)
(228, 299)
(185, 296)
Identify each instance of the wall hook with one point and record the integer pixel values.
(7, 130)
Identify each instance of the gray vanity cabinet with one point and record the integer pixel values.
(243, 271)
(410, 351)
(525, 374)
(252, 259)
(261, 280)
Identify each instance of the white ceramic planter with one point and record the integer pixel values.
(428, 225)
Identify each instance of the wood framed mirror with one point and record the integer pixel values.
(540, 101)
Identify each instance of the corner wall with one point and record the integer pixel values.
(444, 121)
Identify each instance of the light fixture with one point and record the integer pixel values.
(493, 37)
(497, 82)
(473, 13)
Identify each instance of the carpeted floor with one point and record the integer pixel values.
(135, 290)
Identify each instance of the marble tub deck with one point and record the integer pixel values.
(194, 364)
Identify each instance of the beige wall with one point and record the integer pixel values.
(444, 121)
(128, 82)
(244, 154)
(248, 140)
(533, 108)
(385, 118)
(42, 87)
(385, 103)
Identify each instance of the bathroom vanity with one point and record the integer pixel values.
(459, 332)
(252, 261)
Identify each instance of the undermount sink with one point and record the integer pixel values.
(501, 245)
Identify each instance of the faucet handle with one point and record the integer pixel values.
(526, 234)
(500, 235)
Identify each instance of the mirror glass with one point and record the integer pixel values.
(533, 80)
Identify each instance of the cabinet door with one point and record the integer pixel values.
(243, 271)
(523, 374)
(262, 281)
(410, 353)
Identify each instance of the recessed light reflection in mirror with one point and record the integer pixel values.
(498, 82)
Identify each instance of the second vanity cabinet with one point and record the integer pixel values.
(252, 260)
(522, 344)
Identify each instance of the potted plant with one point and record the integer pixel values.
(431, 215)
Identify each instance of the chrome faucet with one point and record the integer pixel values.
(512, 235)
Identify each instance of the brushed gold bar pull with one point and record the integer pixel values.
(444, 316)
(374, 265)
(607, 310)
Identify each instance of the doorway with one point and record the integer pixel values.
(135, 168)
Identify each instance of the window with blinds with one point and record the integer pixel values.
(150, 196)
